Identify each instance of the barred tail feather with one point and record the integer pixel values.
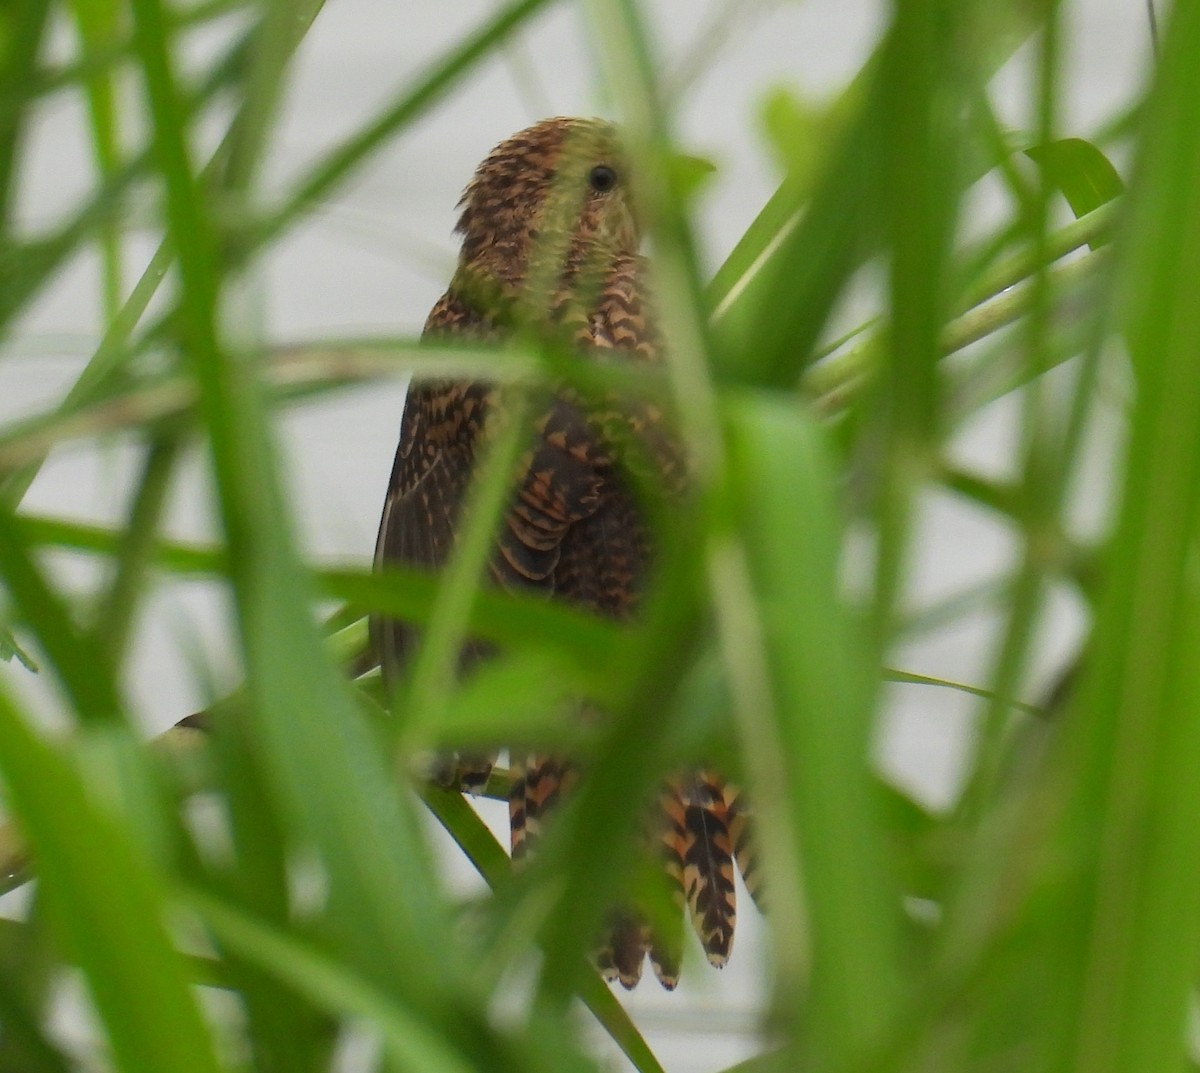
(623, 949)
(699, 843)
(538, 783)
(741, 836)
(666, 913)
(702, 826)
(666, 952)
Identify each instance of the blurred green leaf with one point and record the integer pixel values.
(24, 1047)
(485, 853)
(73, 655)
(1085, 175)
(116, 931)
(691, 174)
(407, 1038)
(1128, 965)
(771, 297)
(100, 28)
(922, 182)
(22, 26)
(10, 650)
(27, 965)
(806, 730)
(903, 939)
(1082, 172)
(798, 130)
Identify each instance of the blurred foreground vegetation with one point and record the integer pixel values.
(1059, 899)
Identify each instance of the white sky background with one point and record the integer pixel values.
(374, 259)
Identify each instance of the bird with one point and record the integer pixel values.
(549, 233)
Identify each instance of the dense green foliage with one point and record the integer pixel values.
(1066, 882)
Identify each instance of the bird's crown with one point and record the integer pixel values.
(559, 187)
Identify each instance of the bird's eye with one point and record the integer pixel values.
(602, 178)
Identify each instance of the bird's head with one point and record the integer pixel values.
(557, 190)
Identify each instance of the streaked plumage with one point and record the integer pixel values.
(548, 235)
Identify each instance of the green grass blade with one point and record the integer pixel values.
(921, 182)
(407, 1036)
(280, 30)
(26, 967)
(473, 837)
(1081, 171)
(136, 547)
(24, 25)
(326, 769)
(530, 621)
(99, 28)
(74, 655)
(108, 909)
(806, 726)
(769, 320)
(1131, 815)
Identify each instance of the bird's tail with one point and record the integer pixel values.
(701, 827)
(698, 849)
(537, 784)
(740, 824)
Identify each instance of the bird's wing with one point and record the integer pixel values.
(439, 436)
(572, 513)
(562, 481)
(443, 432)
